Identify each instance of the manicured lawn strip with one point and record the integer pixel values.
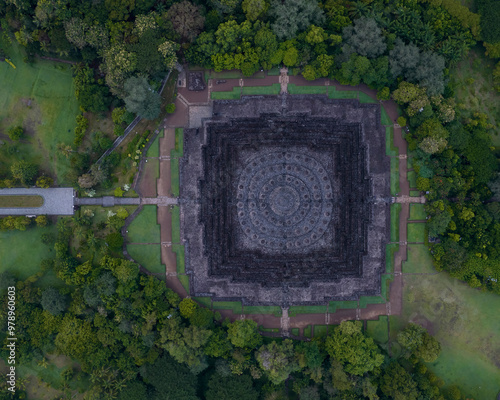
(184, 280)
(390, 250)
(262, 90)
(409, 163)
(271, 330)
(234, 306)
(144, 228)
(414, 193)
(416, 232)
(342, 94)
(364, 98)
(365, 300)
(179, 143)
(395, 188)
(154, 149)
(337, 305)
(231, 74)
(147, 255)
(22, 251)
(390, 149)
(180, 258)
(294, 310)
(233, 95)
(384, 117)
(174, 180)
(384, 287)
(419, 260)
(176, 224)
(204, 301)
(395, 211)
(412, 178)
(378, 330)
(320, 330)
(295, 89)
(295, 331)
(307, 331)
(15, 201)
(275, 310)
(273, 71)
(417, 212)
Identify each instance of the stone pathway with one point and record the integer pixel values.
(160, 200)
(284, 79)
(403, 199)
(56, 201)
(107, 201)
(285, 322)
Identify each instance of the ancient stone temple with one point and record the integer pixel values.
(286, 201)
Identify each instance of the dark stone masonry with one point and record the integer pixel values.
(285, 200)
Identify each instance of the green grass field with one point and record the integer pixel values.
(22, 251)
(148, 255)
(419, 260)
(417, 212)
(295, 89)
(180, 258)
(320, 330)
(275, 310)
(294, 310)
(20, 201)
(176, 224)
(261, 90)
(342, 94)
(466, 323)
(204, 301)
(378, 330)
(390, 149)
(233, 95)
(178, 151)
(412, 178)
(174, 172)
(395, 188)
(295, 331)
(154, 149)
(416, 232)
(395, 210)
(308, 331)
(144, 228)
(50, 117)
(390, 250)
(384, 117)
(337, 305)
(184, 280)
(232, 74)
(364, 98)
(234, 306)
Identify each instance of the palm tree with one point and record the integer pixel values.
(64, 149)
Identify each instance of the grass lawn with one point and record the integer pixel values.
(416, 232)
(342, 94)
(180, 258)
(22, 251)
(294, 310)
(390, 149)
(378, 330)
(295, 331)
(472, 80)
(384, 117)
(176, 224)
(390, 250)
(395, 210)
(337, 305)
(274, 71)
(275, 310)
(364, 301)
(412, 179)
(415, 193)
(179, 143)
(307, 331)
(48, 119)
(184, 280)
(204, 301)
(234, 306)
(466, 323)
(419, 259)
(20, 201)
(154, 149)
(270, 330)
(261, 90)
(395, 188)
(174, 180)
(233, 95)
(320, 330)
(148, 255)
(417, 212)
(294, 89)
(230, 74)
(364, 98)
(144, 228)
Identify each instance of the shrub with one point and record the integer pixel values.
(170, 108)
(44, 182)
(401, 121)
(114, 240)
(82, 124)
(41, 220)
(118, 192)
(15, 132)
(384, 94)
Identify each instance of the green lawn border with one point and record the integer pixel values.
(395, 187)
(308, 331)
(142, 254)
(179, 251)
(378, 329)
(333, 306)
(333, 93)
(269, 330)
(274, 89)
(141, 228)
(417, 212)
(415, 193)
(178, 150)
(417, 232)
(235, 306)
(174, 172)
(365, 98)
(232, 95)
(384, 117)
(295, 310)
(296, 89)
(274, 310)
(390, 149)
(204, 301)
(320, 330)
(176, 224)
(295, 331)
(395, 212)
(184, 280)
(390, 250)
(412, 178)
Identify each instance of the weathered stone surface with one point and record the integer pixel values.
(196, 82)
(286, 200)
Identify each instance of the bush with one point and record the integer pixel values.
(15, 133)
(401, 121)
(170, 108)
(114, 241)
(384, 94)
(41, 221)
(82, 124)
(118, 192)
(44, 182)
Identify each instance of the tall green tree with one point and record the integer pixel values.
(141, 99)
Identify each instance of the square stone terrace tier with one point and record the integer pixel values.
(285, 200)
(56, 201)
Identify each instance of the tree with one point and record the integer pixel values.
(141, 99)
(417, 341)
(86, 181)
(44, 182)
(398, 383)
(114, 240)
(91, 95)
(53, 301)
(24, 171)
(135, 390)
(292, 16)
(64, 149)
(187, 307)
(290, 57)
(230, 388)
(15, 133)
(254, 8)
(41, 221)
(170, 108)
(186, 20)
(244, 333)
(277, 360)
(364, 38)
(348, 345)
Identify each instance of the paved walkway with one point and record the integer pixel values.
(107, 201)
(56, 201)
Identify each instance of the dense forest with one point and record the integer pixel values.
(126, 329)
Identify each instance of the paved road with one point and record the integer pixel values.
(57, 201)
